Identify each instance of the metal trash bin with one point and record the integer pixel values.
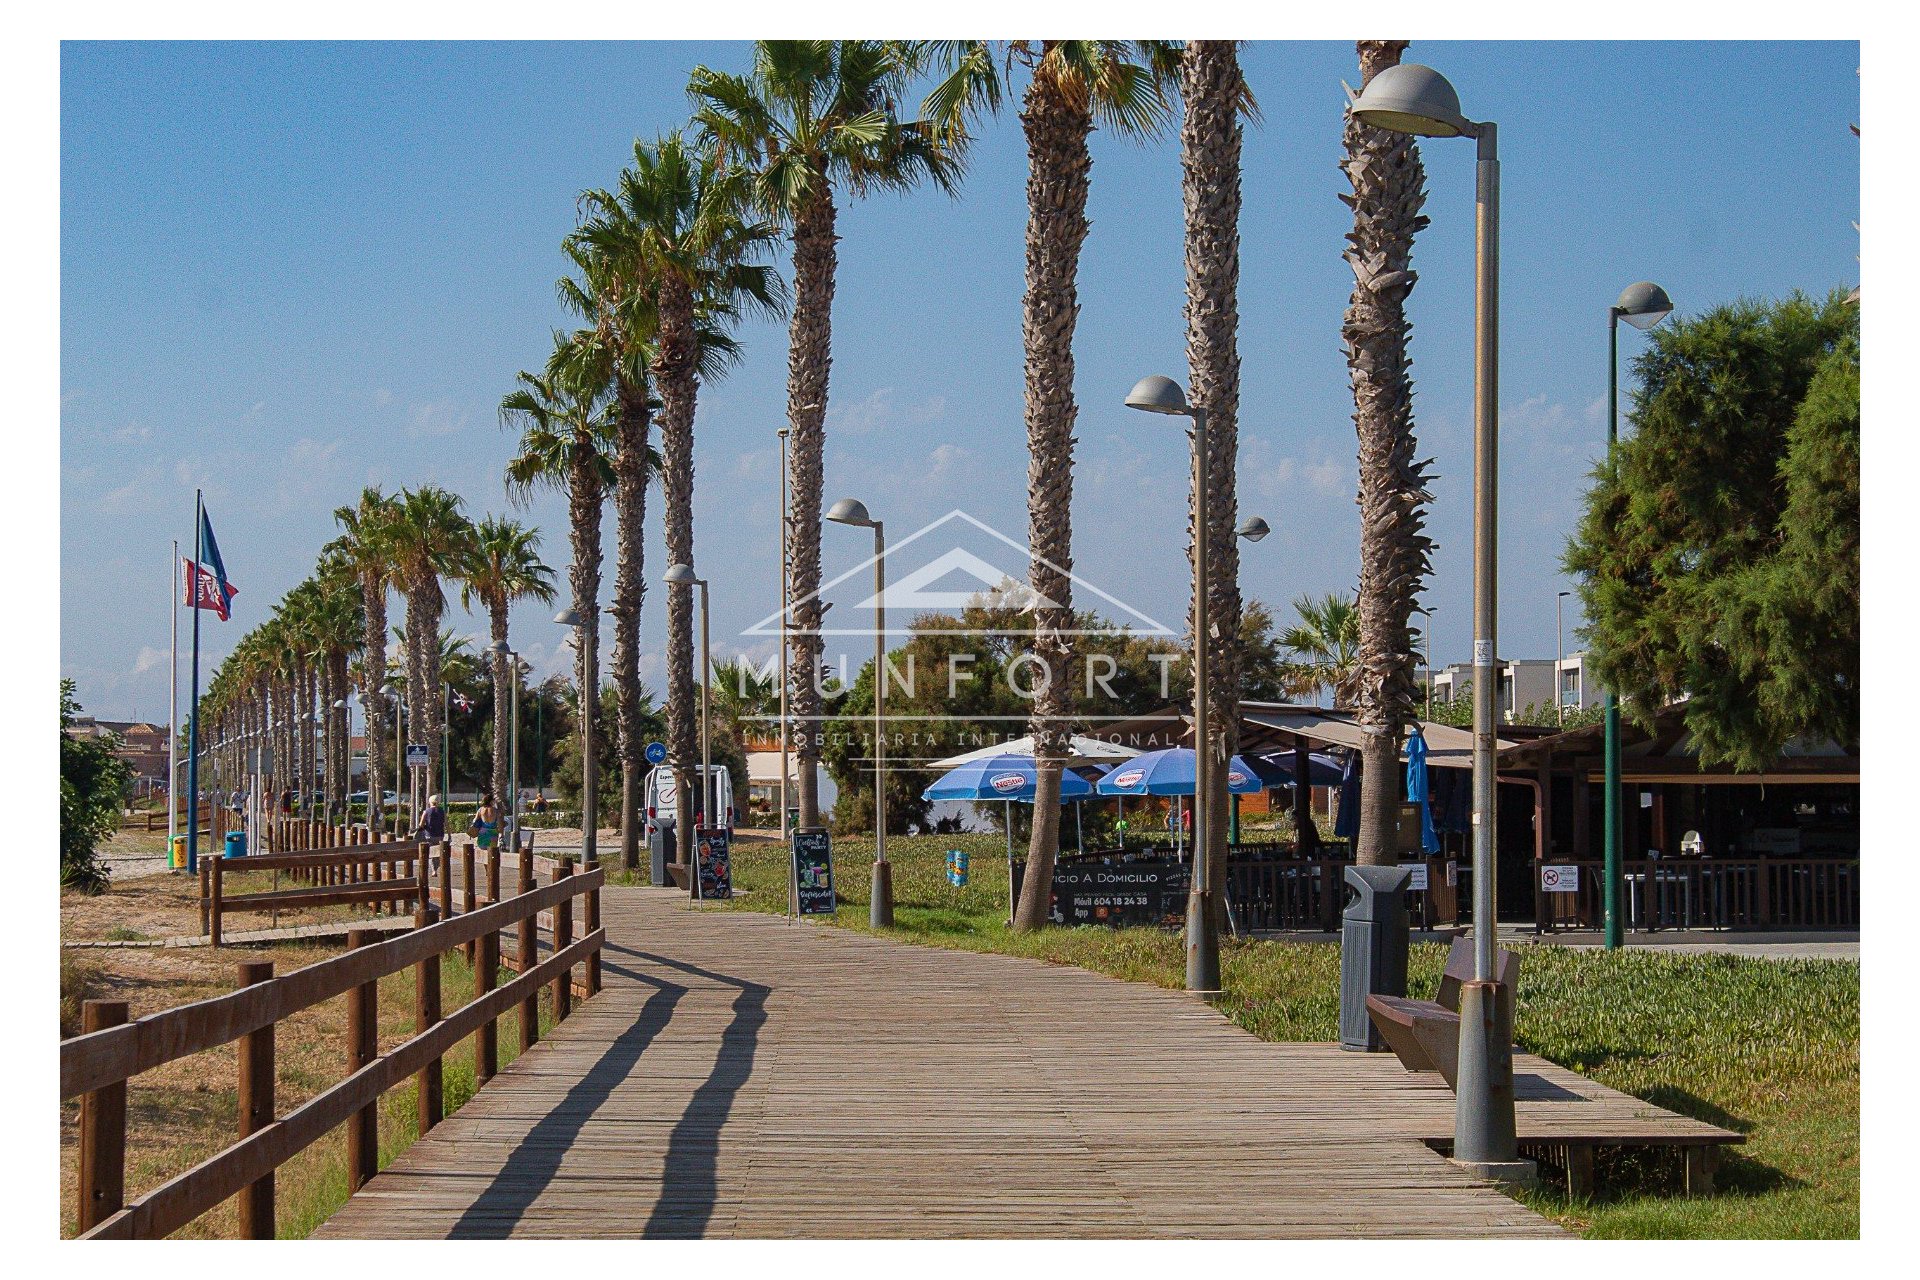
(236, 844)
(659, 850)
(1373, 950)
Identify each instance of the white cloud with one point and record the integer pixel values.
(308, 454)
(148, 659)
(879, 411)
(945, 458)
(438, 418)
(133, 431)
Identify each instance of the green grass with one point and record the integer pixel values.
(1770, 1048)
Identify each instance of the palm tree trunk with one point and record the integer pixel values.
(502, 703)
(342, 770)
(1058, 166)
(583, 511)
(809, 361)
(1389, 187)
(674, 373)
(1210, 173)
(424, 606)
(373, 670)
(629, 592)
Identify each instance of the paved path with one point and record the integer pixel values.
(743, 1076)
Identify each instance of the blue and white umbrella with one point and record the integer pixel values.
(1170, 772)
(1001, 777)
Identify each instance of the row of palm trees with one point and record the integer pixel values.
(327, 640)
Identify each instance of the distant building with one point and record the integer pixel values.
(142, 745)
(1524, 682)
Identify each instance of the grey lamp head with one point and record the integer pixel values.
(1643, 304)
(391, 689)
(1157, 394)
(681, 574)
(499, 649)
(339, 704)
(1253, 528)
(567, 618)
(1412, 99)
(850, 511)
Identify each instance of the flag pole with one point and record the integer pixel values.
(193, 704)
(173, 704)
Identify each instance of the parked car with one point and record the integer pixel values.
(388, 798)
(662, 801)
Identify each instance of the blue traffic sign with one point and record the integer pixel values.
(656, 752)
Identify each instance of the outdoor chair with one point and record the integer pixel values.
(1425, 1034)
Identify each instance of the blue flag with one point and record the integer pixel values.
(210, 562)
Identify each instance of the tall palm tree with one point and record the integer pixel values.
(1325, 647)
(679, 226)
(566, 442)
(502, 565)
(337, 633)
(431, 538)
(1389, 186)
(815, 117)
(1215, 97)
(1071, 86)
(365, 550)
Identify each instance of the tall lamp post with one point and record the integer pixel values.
(1643, 305)
(851, 511)
(682, 575)
(499, 649)
(392, 690)
(589, 689)
(1155, 394)
(1426, 639)
(1560, 633)
(786, 603)
(1417, 100)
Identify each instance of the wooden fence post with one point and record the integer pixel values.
(469, 892)
(213, 906)
(103, 1130)
(593, 958)
(562, 937)
(363, 1041)
(529, 956)
(426, 1012)
(486, 1041)
(256, 1107)
(206, 889)
(446, 879)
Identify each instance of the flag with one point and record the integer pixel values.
(220, 597)
(462, 701)
(208, 596)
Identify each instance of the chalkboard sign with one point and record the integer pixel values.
(712, 853)
(813, 871)
(1118, 893)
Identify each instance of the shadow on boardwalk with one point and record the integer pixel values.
(689, 1184)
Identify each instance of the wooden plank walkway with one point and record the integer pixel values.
(742, 1076)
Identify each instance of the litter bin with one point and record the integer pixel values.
(177, 854)
(1373, 950)
(957, 868)
(236, 844)
(659, 846)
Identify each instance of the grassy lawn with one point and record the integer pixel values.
(1770, 1048)
(185, 1112)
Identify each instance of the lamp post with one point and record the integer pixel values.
(682, 575)
(1426, 639)
(786, 603)
(1155, 394)
(344, 786)
(500, 650)
(1560, 632)
(589, 808)
(1417, 100)
(1643, 305)
(392, 691)
(851, 511)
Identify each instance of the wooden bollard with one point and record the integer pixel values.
(103, 1130)
(493, 875)
(529, 957)
(446, 879)
(486, 1041)
(256, 1108)
(214, 897)
(363, 1043)
(206, 891)
(562, 937)
(593, 957)
(426, 1012)
(468, 894)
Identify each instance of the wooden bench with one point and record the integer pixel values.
(1425, 1034)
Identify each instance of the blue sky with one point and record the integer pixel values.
(290, 270)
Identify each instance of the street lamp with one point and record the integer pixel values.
(1155, 394)
(1560, 631)
(851, 511)
(682, 575)
(1253, 528)
(1642, 305)
(502, 653)
(1426, 639)
(392, 690)
(786, 604)
(1417, 100)
(589, 807)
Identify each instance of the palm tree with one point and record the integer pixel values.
(431, 538)
(1389, 186)
(1072, 84)
(364, 550)
(1325, 644)
(502, 565)
(566, 439)
(679, 227)
(337, 632)
(812, 117)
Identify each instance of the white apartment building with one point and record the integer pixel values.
(1524, 682)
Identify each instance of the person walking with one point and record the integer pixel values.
(433, 823)
(486, 822)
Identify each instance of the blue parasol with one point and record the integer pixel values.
(1346, 824)
(1002, 777)
(1418, 789)
(1170, 773)
(1276, 769)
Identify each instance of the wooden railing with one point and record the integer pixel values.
(1711, 893)
(96, 1065)
(390, 875)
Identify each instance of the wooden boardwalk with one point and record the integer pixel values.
(741, 1076)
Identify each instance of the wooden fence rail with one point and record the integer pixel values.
(390, 874)
(1706, 893)
(96, 1065)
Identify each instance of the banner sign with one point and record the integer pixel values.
(416, 755)
(813, 872)
(712, 853)
(1560, 879)
(1121, 893)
